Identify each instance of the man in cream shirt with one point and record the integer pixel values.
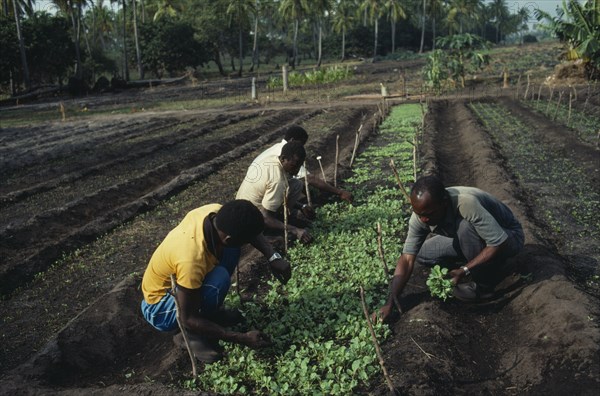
(266, 182)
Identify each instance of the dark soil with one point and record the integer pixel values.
(106, 191)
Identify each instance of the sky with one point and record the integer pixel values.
(545, 5)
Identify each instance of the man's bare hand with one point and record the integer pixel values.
(346, 196)
(456, 275)
(303, 235)
(382, 314)
(309, 212)
(256, 339)
(281, 269)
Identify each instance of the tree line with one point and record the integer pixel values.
(82, 40)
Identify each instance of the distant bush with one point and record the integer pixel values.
(399, 55)
(320, 76)
(530, 38)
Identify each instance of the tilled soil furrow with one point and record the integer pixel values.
(100, 142)
(81, 220)
(127, 250)
(80, 166)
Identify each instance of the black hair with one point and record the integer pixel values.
(293, 149)
(297, 133)
(432, 185)
(241, 220)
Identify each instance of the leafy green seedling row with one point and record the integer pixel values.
(322, 344)
(542, 167)
(587, 125)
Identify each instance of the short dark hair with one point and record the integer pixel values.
(432, 185)
(296, 132)
(241, 220)
(293, 149)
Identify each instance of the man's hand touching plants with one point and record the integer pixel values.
(281, 269)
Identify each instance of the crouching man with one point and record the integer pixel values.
(473, 233)
(203, 252)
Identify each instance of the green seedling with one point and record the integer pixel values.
(438, 285)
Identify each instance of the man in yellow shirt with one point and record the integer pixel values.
(202, 252)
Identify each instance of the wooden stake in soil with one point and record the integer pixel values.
(375, 343)
(540, 92)
(415, 154)
(321, 166)
(557, 106)
(380, 251)
(337, 156)
(549, 99)
(173, 292)
(285, 220)
(570, 104)
(284, 75)
(355, 144)
(62, 111)
(285, 216)
(306, 185)
(393, 166)
(526, 89)
(505, 79)
(237, 284)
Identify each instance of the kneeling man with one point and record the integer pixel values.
(202, 252)
(469, 225)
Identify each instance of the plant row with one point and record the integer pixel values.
(322, 343)
(563, 194)
(585, 124)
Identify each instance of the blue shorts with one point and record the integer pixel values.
(162, 315)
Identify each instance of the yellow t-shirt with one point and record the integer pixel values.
(264, 184)
(184, 252)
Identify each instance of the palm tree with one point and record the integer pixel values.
(500, 13)
(240, 11)
(320, 8)
(395, 12)
(523, 17)
(436, 8)
(138, 53)
(18, 6)
(73, 10)
(294, 10)
(423, 16)
(257, 13)
(374, 9)
(344, 17)
(462, 11)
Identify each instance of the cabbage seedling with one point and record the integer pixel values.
(438, 285)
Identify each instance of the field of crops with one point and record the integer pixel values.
(86, 201)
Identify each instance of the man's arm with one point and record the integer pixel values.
(273, 222)
(487, 254)
(324, 186)
(189, 304)
(402, 273)
(282, 270)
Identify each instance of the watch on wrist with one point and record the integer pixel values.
(466, 269)
(275, 256)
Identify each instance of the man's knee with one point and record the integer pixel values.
(214, 289)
